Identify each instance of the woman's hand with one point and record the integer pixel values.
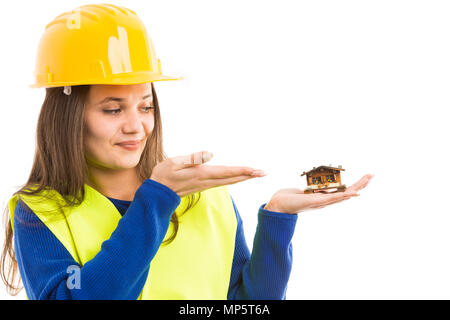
(188, 174)
(295, 200)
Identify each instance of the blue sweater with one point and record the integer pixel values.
(121, 267)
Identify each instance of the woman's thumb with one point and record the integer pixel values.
(194, 158)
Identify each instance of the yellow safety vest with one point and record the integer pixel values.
(196, 265)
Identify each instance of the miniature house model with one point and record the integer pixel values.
(323, 178)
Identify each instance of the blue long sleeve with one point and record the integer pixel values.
(43, 260)
(265, 272)
(120, 268)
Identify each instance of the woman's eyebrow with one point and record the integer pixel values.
(107, 99)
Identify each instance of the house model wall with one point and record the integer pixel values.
(324, 177)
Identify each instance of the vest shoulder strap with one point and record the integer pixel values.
(49, 207)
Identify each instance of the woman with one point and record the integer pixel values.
(105, 214)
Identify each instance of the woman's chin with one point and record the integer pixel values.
(122, 164)
(127, 165)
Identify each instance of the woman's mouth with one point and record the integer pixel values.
(130, 145)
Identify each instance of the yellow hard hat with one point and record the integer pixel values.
(96, 44)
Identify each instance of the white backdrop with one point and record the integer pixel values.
(258, 75)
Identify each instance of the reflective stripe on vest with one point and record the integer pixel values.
(195, 265)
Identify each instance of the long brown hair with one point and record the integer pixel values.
(60, 164)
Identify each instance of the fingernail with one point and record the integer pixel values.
(207, 156)
(259, 173)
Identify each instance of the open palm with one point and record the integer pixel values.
(292, 200)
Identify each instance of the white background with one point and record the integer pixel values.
(284, 86)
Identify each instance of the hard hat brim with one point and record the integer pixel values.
(120, 79)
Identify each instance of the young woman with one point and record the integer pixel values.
(105, 214)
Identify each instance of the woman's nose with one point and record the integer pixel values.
(132, 123)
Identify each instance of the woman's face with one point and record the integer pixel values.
(118, 120)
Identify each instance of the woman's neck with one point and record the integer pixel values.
(118, 184)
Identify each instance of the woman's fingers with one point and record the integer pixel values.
(208, 176)
(211, 172)
(220, 172)
(324, 200)
(292, 201)
(362, 183)
(187, 174)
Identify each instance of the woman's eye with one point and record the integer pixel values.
(112, 111)
(147, 109)
(116, 111)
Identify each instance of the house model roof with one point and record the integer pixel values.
(339, 168)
